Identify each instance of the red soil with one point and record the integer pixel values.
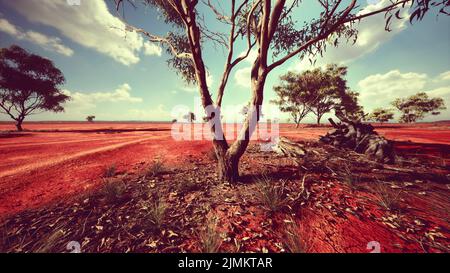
(42, 166)
(39, 167)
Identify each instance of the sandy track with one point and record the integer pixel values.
(62, 159)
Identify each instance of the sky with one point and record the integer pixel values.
(120, 76)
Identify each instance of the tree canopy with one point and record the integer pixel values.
(418, 106)
(29, 84)
(291, 98)
(318, 91)
(381, 115)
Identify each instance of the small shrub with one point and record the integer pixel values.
(156, 212)
(110, 171)
(269, 195)
(292, 239)
(113, 189)
(186, 185)
(386, 197)
(210, 238)
(156, 168)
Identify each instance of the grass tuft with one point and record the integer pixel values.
(292, 239)
(113, 189)
(387, 198)
(109, 171)
(186, 185)
(156, 212)
(210, 238)
(269, 195)
(155, 169)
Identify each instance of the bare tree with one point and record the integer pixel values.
(268, 26)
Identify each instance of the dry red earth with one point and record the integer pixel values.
(52, 162)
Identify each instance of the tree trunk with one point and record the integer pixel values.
(228, 163)
(296, 125)
(19, 125)
(228, 169)
(318, 119)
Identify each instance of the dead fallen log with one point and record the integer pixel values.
(361, 138)
(289, 148)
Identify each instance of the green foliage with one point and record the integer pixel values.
(381, 115)
(318, 91)
(291, 98)
(29, 84)
(416, 107)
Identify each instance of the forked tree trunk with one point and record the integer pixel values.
(228, 162)
(228, 169)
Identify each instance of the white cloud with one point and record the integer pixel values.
(90, 25)
(242, 76)
(158, 113)
(151, 49)
(371, 35)
(85, 100)
(46, 42)
(445, 76)
(380, 90)
(194, 88)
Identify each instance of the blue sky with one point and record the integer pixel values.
(118, 78)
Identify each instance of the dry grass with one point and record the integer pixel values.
(292, 239)
(186, 185)
(349, 178)
(113, 189)
(387, 197)
(109, 171)
(156, 212)
(269, 195)
(210, 238)
(48, 243)
(155, 169)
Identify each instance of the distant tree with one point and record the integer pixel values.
(174, 120)
(318, 91)
(416, 107)
(381, 115)
(189, 117)
(292, 99)
(90, 118)
(29, 84)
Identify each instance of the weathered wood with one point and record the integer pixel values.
(288, 148)
(361, 138)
